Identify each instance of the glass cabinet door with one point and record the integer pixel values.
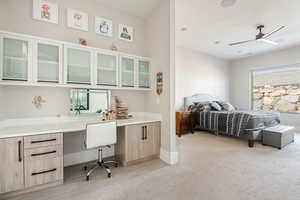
(127, 70)
(106, 69)
(48, 63)
(78, 66)
(15, 59)
(144, 74)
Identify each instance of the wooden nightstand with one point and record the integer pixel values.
(184, 122)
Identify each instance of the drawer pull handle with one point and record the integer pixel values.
(19, 151)
(41, 141)
(146, 133)
(40, 154)
(43, 172)
(143, 132)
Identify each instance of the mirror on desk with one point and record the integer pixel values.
(89, 101)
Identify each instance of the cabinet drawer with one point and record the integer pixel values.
(43, 171)
(42, 140)
(43, 153)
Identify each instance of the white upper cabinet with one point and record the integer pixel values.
(107, 69)
(127, 71)
(47, 62)
(15, 58)
(30, 60)
(78, 65)
(144, 74)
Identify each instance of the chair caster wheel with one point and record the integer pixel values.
(109, 175)
(87, 178)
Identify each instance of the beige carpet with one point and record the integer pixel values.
(210, 168)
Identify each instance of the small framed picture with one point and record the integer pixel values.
(77, 19)
(103, 26)
(125, 32)
(45, 11)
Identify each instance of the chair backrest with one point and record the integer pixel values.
(101, 134)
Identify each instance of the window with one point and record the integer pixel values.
(276, 89)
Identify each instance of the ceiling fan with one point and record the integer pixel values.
(261, 36)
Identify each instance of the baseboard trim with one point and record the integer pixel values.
(169, 157)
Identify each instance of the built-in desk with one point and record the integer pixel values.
(31, 150)
(66, 124)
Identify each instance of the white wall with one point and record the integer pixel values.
(197, 72)
(18, 101)
(240, 78)
(22, 22)
(17, 17)
(160, 46)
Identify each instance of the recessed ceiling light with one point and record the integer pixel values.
(183, 29)
(217, 42)
(227, 3)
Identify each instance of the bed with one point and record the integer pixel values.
(245, 124)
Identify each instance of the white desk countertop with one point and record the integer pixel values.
(65, 124)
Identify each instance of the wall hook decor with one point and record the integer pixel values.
(38, 101)
(159, 83)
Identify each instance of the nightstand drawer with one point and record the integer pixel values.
(184, 122)
(42, 140)
(43, 171)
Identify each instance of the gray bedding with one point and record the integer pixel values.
(235, 123)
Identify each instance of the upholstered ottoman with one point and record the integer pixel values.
(278, 136)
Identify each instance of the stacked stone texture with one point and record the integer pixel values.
(283, 98)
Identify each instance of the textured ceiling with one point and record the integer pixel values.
(207, 21)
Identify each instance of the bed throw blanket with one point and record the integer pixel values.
(235, 123)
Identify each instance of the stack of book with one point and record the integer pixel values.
(122, 110)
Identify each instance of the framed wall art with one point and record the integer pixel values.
(125, 32)
(77, 19)
(45, 11)
(103, 26)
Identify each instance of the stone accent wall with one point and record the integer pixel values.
(282, 98)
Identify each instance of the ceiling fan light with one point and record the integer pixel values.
(227, 3)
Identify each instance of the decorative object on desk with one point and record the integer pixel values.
(45, 11)
(159, 83)
(125, 32)
(99, 111)
(77, 19)
(121, 109)
(82, 42)
(111, 115)
(38, 101)
(114, 47)
(103, 26)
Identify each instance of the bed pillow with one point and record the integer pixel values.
(200, 106)
(215, 106)
(226, 106)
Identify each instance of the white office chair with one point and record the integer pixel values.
(100, 136)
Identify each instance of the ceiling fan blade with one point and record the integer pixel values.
(272, 32)
(268, 41)
(242, 42)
